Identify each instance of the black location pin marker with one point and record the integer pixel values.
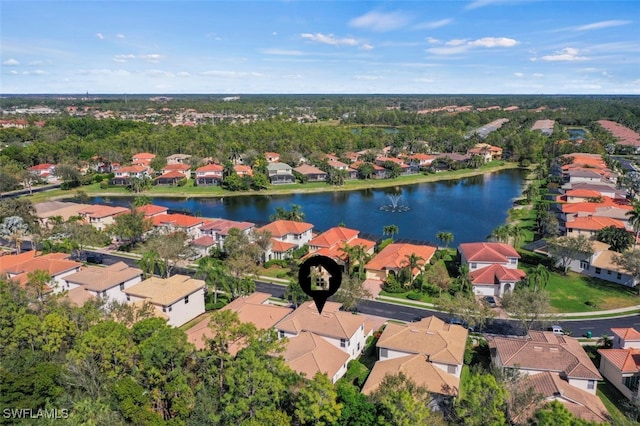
(320, 278)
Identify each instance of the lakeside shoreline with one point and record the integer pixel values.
(354, 185)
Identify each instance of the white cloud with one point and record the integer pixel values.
(119, 73)
(567, 54)
(433, 24)
(432, 40)
(518, 74)
(423, 80)
(379, 21)
(367, 77)
(99, 36)
(183, 74)
(482, 3)
(282, 52)
(153, 58)
(35, 72)
(601, 25)
(120, 36)
(366, 46)
(123, 58)
(329, 39)
(275, 33)
(11, 62)
(36, 63)
(158, 73)
(456, 46)
(494, 42)
(538, 75)
(230, 74)
(14, 72)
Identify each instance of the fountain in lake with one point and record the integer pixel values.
(396, 206)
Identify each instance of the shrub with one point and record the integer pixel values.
(104, 185)
(182, 182)
(414, 295)
(276, 262)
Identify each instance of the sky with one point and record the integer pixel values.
(326, 47)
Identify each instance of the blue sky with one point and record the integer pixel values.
(236, 47)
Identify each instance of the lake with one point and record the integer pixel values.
(470, 208)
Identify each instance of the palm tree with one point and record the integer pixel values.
(413, 261)
(212, 271)
(538, 278)
(517, 233)
(501, 233)
(445, 237)
(634, 220)
(390, 230)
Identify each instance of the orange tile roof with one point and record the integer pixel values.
(496, 274)
(132, 169)
(395, 255)
(99, 211)
(222, 226)
(174, 174)
(625, 360)
(210, 168)
(278, 246)
(593, 223)
(280, 228)
(583, 193)
(178, 167)
(144, 156)
(334, 236)
(53, 263)
(177, 219)
(587, 207)
(488, 252)
(204, 241)
(419, 369)
(151, 209)
(628, 333)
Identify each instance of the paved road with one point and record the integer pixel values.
(598, 327)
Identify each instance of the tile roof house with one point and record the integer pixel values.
(106, 282)
(429, 351)
(550, 387)
(64, 210)
(179, 296)
(124, 174)
(621, 364)
(152, 210)
(44, 171)
(332, 242)
(312, 173)
(280, 173)
(242, 170)
(542, 351)
(101, 216)
(218, 229)
(176, 221)
(18, 266)
(343, 330)
(493, 267)
(309, 354)
(211, 174)
(394, 257)
(288, 232)
(272, 157)
(590, 225)
(142, 158)
(253, 308)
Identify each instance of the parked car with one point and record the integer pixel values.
(491, 301)
(556, 329)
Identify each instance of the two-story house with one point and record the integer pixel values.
(101, 216)
(168, 223)
(18, 266)
(430, 351)
(106, 282)
(280, 173)
(180, 297)
(211, 174)
(621, 364)
(123, 175)
(493, 267)
(286, 236)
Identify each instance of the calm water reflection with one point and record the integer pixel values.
(470, 208)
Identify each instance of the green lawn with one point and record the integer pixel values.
(611, 399)
(570, 293)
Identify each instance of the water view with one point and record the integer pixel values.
(470, 208)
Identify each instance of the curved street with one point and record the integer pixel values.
(578, 327)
